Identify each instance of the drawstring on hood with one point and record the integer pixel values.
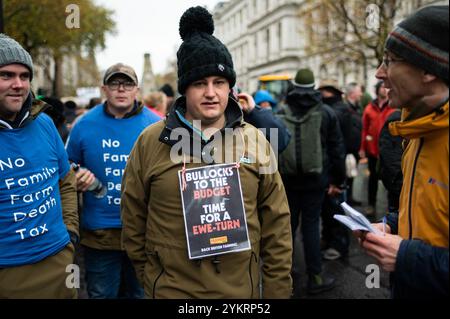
(183, 174)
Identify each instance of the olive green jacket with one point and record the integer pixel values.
(153, 232)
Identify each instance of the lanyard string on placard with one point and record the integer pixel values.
(183, 174)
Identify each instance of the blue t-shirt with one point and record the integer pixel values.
(32, 161)
(102, 144)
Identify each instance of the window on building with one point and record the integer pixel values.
(342, 73)
(255, 46)
(280, 36)
(323, 72)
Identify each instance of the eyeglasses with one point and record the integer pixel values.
(387, 60)
(127, 85)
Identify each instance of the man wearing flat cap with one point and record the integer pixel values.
(100, 143)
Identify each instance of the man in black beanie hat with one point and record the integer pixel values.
(172, 231)
(415, 71)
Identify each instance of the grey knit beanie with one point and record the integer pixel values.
(12, 52)
(422, 40)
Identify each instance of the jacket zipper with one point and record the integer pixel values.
(157, 278)
(298, 153)
(250, 271)
(156, 281)
(411, 188)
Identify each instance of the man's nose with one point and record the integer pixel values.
(18, 83)
(210, 91)
(380, 74)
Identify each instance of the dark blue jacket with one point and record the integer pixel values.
(421, 270)
(265, 119)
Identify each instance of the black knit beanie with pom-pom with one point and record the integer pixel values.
(201, 54)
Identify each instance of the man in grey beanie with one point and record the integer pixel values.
(415, 245)
(38, 199)
(12, 53)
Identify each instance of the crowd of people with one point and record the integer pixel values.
(201, 196)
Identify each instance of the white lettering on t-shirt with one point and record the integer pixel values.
(21, 198)
(110, 143)
(10, 163)
(112, 156)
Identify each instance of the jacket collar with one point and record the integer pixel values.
(137, 108)
(425, 125)
(376, 103)
(29, 112)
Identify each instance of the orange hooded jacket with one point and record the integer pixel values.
(424, 198)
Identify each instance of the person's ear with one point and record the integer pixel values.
(428, 77)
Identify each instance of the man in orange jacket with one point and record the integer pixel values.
(415, 71)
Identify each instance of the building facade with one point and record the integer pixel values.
(280, 37)
(76, 71)
(262, 36)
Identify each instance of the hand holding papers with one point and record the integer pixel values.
(355, 220)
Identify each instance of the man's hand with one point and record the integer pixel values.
(247, 102)
(84, 179)
(362, 234)
(333, 190)
(383, 248)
